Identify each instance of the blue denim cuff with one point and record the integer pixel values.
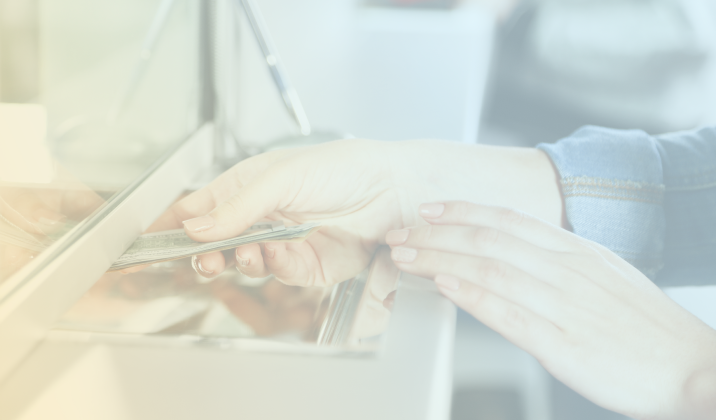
(613, 187)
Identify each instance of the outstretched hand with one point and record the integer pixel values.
(358, 190)
(347, 185)
(591, 319)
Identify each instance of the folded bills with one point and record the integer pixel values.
(12, 235)
(175, 244)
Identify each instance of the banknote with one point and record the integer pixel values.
(11, 234)
(175, 244)
(162, 246)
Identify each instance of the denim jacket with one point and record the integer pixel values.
(650, 199)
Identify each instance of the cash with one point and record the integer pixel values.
(12, 235)
(175, 244)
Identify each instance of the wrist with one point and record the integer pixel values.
(519, 178)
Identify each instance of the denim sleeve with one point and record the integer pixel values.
(650, 199)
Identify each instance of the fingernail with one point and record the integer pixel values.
(243, 262)
(270, 252)
(397, 237)
(432, 210)
(199, 224)
(447, 282)
(403, 254)
(196, 264)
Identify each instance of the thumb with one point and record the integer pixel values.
(254, 201)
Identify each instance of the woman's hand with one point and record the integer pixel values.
(347, 186)
(42, 214)
(358, 190)
(591, 319)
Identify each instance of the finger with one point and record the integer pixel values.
(203, 201)
(294, 264)
(196, 204)
(522, 327)
(483, 242)
(208, 265)
(499, 278)
(584, 256)
(250, 204)
(511, 221)
(250, 261)
(266, 192)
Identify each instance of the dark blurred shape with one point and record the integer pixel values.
(478, 403)
(19, 50)
(433, 4)
(562, 64)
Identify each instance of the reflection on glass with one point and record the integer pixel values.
(120, 81)
(119, 86)
(169, 300)
(34, 216)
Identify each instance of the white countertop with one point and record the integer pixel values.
(410, 378)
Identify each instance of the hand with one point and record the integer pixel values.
(358, 190)
(348, 186)
(591, 319)
(45, 210)
(42, 211)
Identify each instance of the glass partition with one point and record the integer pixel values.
(120, 85)
(117, 85)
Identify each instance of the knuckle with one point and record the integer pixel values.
(593, 250)
(255, 269)
(475, 297)
(281, 266)
(459, 209)
(424, 234)
(235, 203)
(490, 271)
(578, 262)
(577, 248)
(483, 238)
(421, 235)
(277, 265)
(427, 258)
(510, 218)
(516, 318)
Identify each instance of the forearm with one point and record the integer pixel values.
(518, 178)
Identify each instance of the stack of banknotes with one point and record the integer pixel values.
(175, 244)
(164, 246)
(12, 235)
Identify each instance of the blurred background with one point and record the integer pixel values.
(501, 72)
(560, 64)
